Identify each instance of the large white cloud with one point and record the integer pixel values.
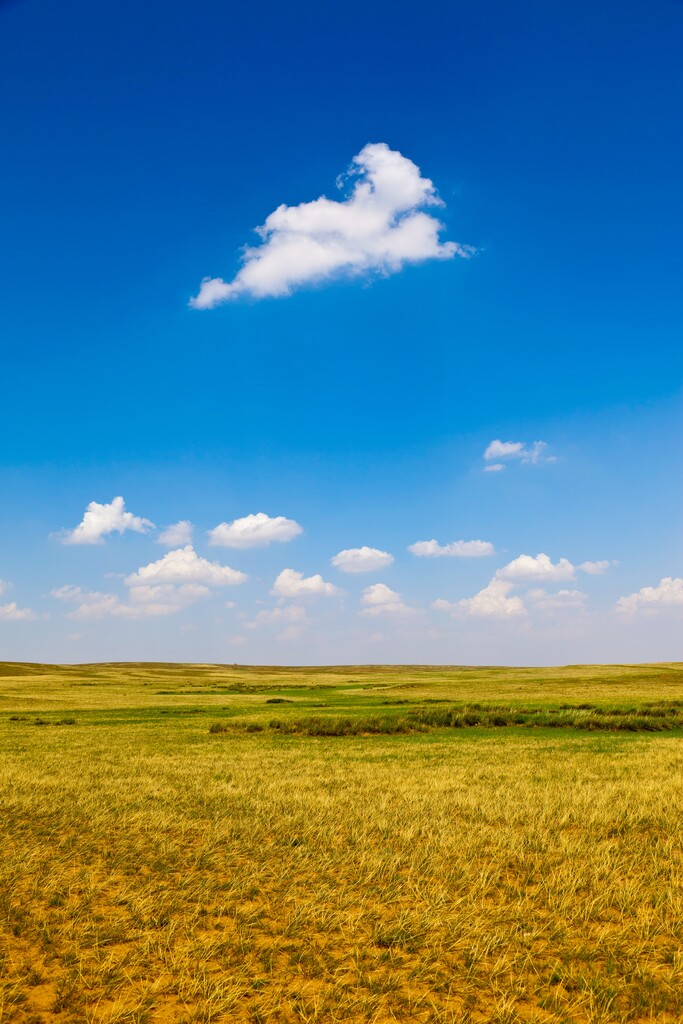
(254, 531)
(498, 452)
(99, 520)
(379, 599)
(363, 559)
(530, 568)
(667, 594)
(12, 613)
(177, 535)
(378, 228)
(455, 549)
(493, 601)
(184, 565)
(291, 583)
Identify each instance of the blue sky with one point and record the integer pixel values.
(355, 397)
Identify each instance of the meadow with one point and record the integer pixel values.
(205, 843)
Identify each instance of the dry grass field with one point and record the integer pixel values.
(215, 843)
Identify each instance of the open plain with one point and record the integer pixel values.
(207, 843)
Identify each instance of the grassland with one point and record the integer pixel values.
(216, 843)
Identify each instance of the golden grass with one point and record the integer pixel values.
(141, 685)
(153, 872)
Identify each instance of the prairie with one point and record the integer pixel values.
(207, 843)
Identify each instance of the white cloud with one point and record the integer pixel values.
(99, 520)
(504, 450)
(290, 633)
(145, 601)
(11, 613)
(291, 583)
(167, 594)
(378, 228)
(668, 594)
(293, 614)
(185, 566)
(520, 451)
(379, 599)
(498, 600)
(539, 568)
(560, 599)
(363, 559)
(177, 535)
(254, 531)
(493, 601)
(528, 569)
(4, 586)
(292, 619)
(91, 604)
(456, 549)
(595, 568)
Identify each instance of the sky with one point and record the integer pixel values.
(335, 334)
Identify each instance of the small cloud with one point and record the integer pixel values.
(291, 583)
(237, 640)
(504, 450)
(12, 613)
(560, 599)
(5, 585)
(177, 535)
(596, 568)
(494, 601)
(540, 568)
(379, 228)
(293, 614)
(254, 531)
(290, 633)
(528, 569)
(167, 594)
(499, 452)
(185, 566)
(363, 559)
(667, 594)
(99, 520)
(382, 600)
(456, 549)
